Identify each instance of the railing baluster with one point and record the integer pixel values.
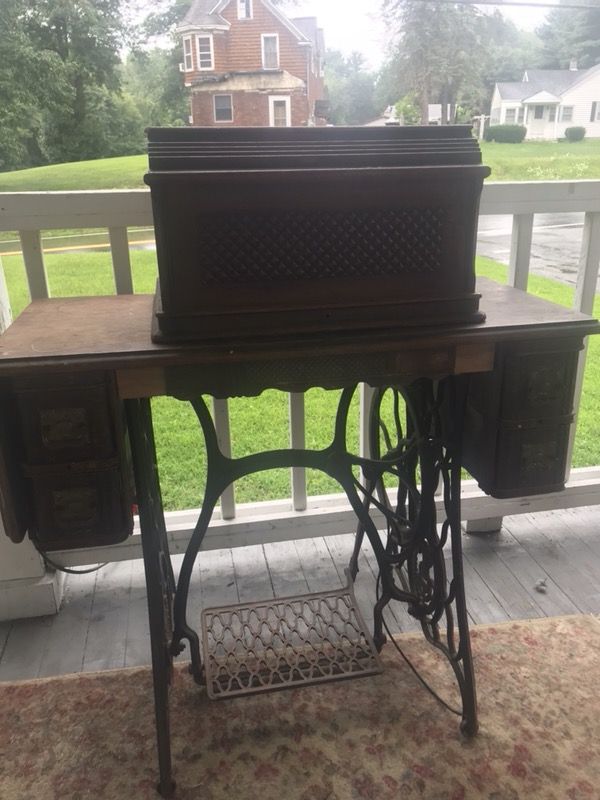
(585, 293)
(297, 440)
(5, 308)
(119, 250)
(520, 251)
(366, 400)
(33, 256)
(221, 415)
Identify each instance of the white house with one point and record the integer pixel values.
(547, 101)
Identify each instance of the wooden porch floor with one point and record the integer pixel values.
(103, 623)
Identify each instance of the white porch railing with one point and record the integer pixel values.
(300, 516)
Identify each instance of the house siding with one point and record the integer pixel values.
(249, 108)
(239, 50)
(581, 98)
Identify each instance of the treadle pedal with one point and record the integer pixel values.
(286, 643)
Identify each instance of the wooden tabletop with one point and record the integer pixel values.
(114, 333)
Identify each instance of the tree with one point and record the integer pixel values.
(152, 79)
(454, 54)
(436, 43)
(86, 35)
(571, 34)
(351, 89)
(32, 85)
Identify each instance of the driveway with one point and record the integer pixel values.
(555, 247)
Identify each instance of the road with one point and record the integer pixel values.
(554, 253)
(555, 247)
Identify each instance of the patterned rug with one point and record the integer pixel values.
(381, 738)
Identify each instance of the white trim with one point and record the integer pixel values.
(224, 121)
(208, 36)
(325, 515)
(562, 113)
(264, 36)
(240, 4)
(186, 40)
(274, 98)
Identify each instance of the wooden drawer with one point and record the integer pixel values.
(65, 465)
(80, 505)
(518, 418)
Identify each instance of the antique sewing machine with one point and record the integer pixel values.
(293, 258)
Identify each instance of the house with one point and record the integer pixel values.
(246, 63)
(547, 101)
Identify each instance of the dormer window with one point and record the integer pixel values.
(205, 52)
(270, 51)
(244, 9)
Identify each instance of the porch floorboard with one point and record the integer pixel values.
(103, 621)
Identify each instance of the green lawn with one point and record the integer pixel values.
(261, 422)
(509, 162)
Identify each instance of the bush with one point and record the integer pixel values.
(575, 134)
(513, 134)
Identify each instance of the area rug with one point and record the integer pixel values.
(378, 738)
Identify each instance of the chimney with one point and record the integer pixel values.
(573, 65)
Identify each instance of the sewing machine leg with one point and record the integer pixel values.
(159, 577)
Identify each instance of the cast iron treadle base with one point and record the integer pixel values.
(286, 643)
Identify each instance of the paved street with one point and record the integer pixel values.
(555, 246)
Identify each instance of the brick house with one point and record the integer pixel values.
(248, 64)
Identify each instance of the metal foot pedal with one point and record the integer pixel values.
(286, 643)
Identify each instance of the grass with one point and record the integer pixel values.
(542, 161)
(261, 422)
(509, 162)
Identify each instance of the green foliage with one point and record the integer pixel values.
(407, 110)
(60, 82)
(351, 89)
(571, 34)
(509, 134)
(152, 78)
(451, 54)
(575, 134)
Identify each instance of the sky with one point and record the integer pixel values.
(350, 24)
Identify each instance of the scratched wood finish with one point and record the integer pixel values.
(114, 333)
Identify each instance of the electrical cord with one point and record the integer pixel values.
(50, 563)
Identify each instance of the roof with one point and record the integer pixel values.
(547, 82)
(546, 98)
(203, 14)
(309, 28)
(249, 81)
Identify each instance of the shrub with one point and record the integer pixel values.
(575, 134)
(513, 134)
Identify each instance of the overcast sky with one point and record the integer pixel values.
(349, 24)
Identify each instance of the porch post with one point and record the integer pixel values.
(27, 589)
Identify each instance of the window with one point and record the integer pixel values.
(595, 115)
(244, 9)
(521, 118)
(205, 52)
(188, 62)
(552, 113)
(511, 116)
(539, 112)
(567, 114)
(270, 51)
(223, 108)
